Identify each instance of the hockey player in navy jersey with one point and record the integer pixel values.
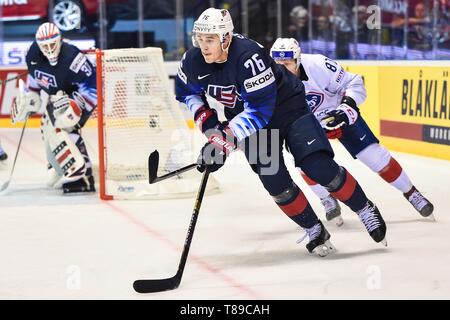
(265, 106)
(63, 72)
(334, 97)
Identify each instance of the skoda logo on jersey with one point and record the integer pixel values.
(225, 95)
(45, 80)
(314, 100)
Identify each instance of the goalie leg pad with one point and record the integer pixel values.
(62, 152)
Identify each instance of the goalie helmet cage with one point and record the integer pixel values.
(138, 113)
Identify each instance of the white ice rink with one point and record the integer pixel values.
(244, 247)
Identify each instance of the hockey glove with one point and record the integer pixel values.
(206, 119)
(66, 111)
(334, 134)
(27, 102)
(345, 114)
(215, 151)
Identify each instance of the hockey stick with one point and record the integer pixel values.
(158, 285)
(153, 163)
(13, 78)
(5, 185)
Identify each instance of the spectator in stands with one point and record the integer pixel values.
(323, 29)
(443, 24)
(419, 28)
(298, 28)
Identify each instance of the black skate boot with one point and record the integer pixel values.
(319, 240)
(3, 155)
(374, 223)
(420, 203)
(84, 184)
(332, 210)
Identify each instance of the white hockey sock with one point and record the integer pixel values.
(320, 191)
(402, 183)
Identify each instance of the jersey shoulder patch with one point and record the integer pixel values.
(77, 62)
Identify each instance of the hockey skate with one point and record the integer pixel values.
(3, 155)
(84, 184)
(319, 240)
(332, 210)
(374, 223)
(420, 203)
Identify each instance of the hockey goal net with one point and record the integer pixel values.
(138, 113)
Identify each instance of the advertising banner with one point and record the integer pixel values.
(415, 108)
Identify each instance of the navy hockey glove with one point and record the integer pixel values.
(206, 119)
(345, 114)
(216, 150)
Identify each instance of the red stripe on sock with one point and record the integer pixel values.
(308, 180)
(346, 191)
(391, 172)
(295, 207)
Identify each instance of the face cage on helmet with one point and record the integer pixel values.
(50, 49)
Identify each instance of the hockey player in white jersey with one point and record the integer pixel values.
(334, 97)
(64, 73)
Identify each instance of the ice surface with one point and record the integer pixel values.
(244, 247)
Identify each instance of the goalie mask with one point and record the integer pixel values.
(213, 21)
(48, 38)
(286, 49)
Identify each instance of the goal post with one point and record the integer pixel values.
(138, 113)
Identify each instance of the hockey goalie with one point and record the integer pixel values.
(64, 73)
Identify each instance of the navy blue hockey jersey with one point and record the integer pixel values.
(74, 72)
(249, 84)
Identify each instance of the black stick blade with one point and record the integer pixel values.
(159, 285)
(153, 162)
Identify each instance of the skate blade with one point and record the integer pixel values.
(324, 249)
(431, 218)
(384, 242)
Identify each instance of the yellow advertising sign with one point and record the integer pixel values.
(415, 109)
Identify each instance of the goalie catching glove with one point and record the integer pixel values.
(67, 111)
(345, 114)
(214, 153)
(26, 103)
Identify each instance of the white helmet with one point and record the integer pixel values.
(213, 21)
(48, 38)
(286, 49)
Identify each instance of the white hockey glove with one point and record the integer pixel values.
(345, 114)
(66, 111)
(26, 103)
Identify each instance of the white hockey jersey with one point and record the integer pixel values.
(326, 83)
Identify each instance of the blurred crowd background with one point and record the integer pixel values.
(341, 29)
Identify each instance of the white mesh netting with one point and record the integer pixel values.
(142, 115)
